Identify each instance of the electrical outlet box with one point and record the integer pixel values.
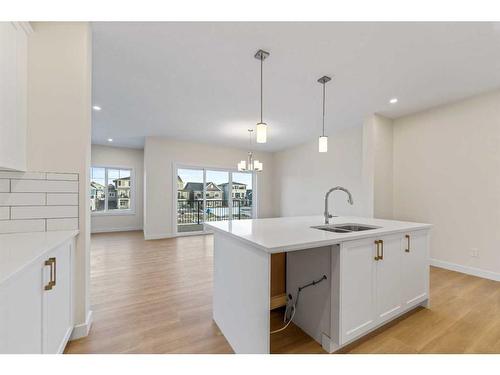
(474, 253)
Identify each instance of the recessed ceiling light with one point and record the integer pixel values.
(393, 100)
(96, 108)
(110, 139)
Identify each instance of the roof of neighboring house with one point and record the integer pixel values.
(198, 186)
(122, 178)
(234, 183)
(96, 185)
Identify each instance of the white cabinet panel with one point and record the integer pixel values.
(415, 268)
(13, 95)
(57, 302)
(388, 284)
(373, 292)
(33, 319)
(23, 312)
(357, 284)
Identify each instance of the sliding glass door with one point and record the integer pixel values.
(212, 195)
(190, 202)
(242, 195)
(216, 202)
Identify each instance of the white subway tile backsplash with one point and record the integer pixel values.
(22, 199)
(62, 224)
(4, 213)
(18, 226)
(62, 199)
(23, 175)
(4, 185)
(38, 201)
(62, 176)
(39, 212)
(48, 186)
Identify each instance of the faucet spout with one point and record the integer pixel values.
(349, 200)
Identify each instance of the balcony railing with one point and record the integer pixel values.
(193, 212)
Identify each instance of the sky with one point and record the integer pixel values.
(217, 177)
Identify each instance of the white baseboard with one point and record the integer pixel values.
(466, 269)
(64, 342)
(82, 330)
(171, 235)
(159, 236)
(109, 230)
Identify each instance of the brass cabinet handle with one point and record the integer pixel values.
(377, 257)
(381, 257)
(51, 262)
(408, 246)
(55, 271)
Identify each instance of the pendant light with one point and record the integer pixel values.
(261, 126)
(250, 164)
(323, 139)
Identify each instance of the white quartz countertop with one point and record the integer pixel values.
(276, 235)
(18, 250)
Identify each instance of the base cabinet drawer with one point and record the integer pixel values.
(36, 309)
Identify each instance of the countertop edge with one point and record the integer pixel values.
(311, 245)
(45, 249)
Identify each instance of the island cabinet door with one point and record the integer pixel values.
(357, 289)
(415, 268)
(388, 275)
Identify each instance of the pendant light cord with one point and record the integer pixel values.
(324, 94)
(261, 84)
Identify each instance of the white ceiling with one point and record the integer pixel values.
(200, 81)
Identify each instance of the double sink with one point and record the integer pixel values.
(344, 228)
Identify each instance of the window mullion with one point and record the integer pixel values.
(230, 196)
(106, 196)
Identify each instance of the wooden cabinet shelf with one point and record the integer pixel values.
(278, 280)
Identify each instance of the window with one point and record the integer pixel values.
(212, 195)
(111, 190)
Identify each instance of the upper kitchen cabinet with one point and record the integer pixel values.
(13, 94)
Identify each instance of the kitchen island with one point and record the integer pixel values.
(373, 271)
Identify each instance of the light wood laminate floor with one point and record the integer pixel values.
(156, 297)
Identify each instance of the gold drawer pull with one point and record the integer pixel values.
(377, 257)
(51, 262)
(408, 246)
(381, 257)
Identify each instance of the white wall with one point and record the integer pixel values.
(120, 157)
(303, 176)
(59, 121)
(161, 153)
(447, 173)
(383, 191)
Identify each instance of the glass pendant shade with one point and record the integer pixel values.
(323, 144)
(242, 166)
(250, 165)
(261, 132)
(257, 166)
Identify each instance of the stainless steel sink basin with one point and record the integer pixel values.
(344, 228)
(356, 227)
